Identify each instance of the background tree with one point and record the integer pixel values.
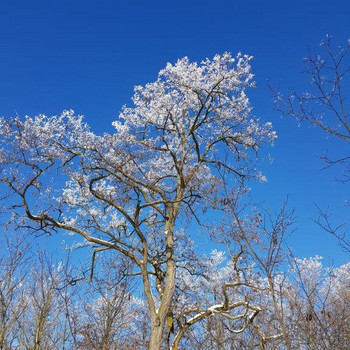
(13, 262)
(326, 106)
(317, 302)
(108, 313)
(40, 319)
(50, 309)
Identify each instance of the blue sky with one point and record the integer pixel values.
(87, 55)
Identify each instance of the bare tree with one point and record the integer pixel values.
(108, 314)
(42, 306)
(13, 262)
(318, 301)
(41, 315)
(326, 106)
(265, 305)
(262, 236)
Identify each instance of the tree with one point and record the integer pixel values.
(188, 135)
(107, 315)
(317, 302)
(261, 236)
(47, 310)
(12, 262)
(325, 106)
(31, 316)
(41, 313)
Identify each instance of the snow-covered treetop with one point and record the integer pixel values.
(196, 104)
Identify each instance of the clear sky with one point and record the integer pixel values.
(87, 56)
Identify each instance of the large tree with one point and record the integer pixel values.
(188, 138)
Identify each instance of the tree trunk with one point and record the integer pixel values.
(156, 338)
(157, 327)
(160, 317)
